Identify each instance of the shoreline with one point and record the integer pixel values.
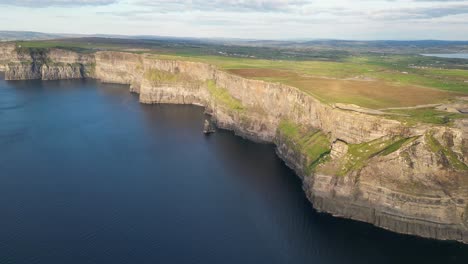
(256, 110)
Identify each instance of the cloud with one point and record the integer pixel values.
(222, 5)
(62, 3)
(359, 10)
(415, 13)
(246, 18)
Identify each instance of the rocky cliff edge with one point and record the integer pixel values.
(407, 179)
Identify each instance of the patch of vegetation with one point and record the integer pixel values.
(157, 77)
(34, 56)
(389, 75)
(398, 69)
(89, 69)
(222, 96)
(440, 73)
(396, 146)
(359, 154)
(437, 147)
(22, 63)
(37, 51)
(77, 46)
(312, 143)
(425, 115)
(361, 83)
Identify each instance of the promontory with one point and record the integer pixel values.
(354, 162)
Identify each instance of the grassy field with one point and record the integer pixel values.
(372, 80)
(358, 155)
(425, 115)
(313, 144)
(372, 93)
(361, 82)
(452, 158)
(223, 96)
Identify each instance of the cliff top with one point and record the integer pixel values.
(374, 81)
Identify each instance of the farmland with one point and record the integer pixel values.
(378, 80)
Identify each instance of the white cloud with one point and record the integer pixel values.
(64, 3)
(222, 5)
(357, 19)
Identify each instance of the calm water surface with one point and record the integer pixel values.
(89, 175)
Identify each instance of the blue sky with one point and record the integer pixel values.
(258, 19)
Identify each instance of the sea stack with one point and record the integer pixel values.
(208, 127)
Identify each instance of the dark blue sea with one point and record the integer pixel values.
(89, 175)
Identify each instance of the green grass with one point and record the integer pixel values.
(398, 70)
(316, 68)
(77, 46)
(90, 69)
(436, 147)
(396, 146)
(426, 115)
(31, 50)
(314, 144)
(157, 77)
(425, 71)
(359, 154)
(223, 97)
(363, 67)
(431, 72)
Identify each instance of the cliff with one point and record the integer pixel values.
(46, 64)
(408, 179)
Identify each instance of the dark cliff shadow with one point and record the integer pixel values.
(272, 192)
(303, 230)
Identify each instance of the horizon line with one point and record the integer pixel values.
(111, 35)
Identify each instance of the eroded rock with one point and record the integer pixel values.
(339, 149)
(414, 182)
(208, 127)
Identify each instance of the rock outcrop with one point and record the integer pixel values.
(412, 180)
(46, 64)
(208, 127)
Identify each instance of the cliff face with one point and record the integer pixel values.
(413, 190)
(287, 102)
(7, 55)
(51, 64)
(410, 180)
(109, 68)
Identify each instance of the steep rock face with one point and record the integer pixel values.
(7, 55)
(410, 190)
(22, 71)
(173, 94)
(70, 57)
(410, 180)
(123, 68)
(462, 142)
(51, 64)
(61, 72)
(286, 102)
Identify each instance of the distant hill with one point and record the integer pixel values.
(294, 48)
(7, 35)
(27, 35)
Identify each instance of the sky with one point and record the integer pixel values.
(254, 19)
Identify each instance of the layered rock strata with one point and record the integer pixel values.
(46, 64)
(408, 179)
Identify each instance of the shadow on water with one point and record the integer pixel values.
(314, 234)
(89, 175)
